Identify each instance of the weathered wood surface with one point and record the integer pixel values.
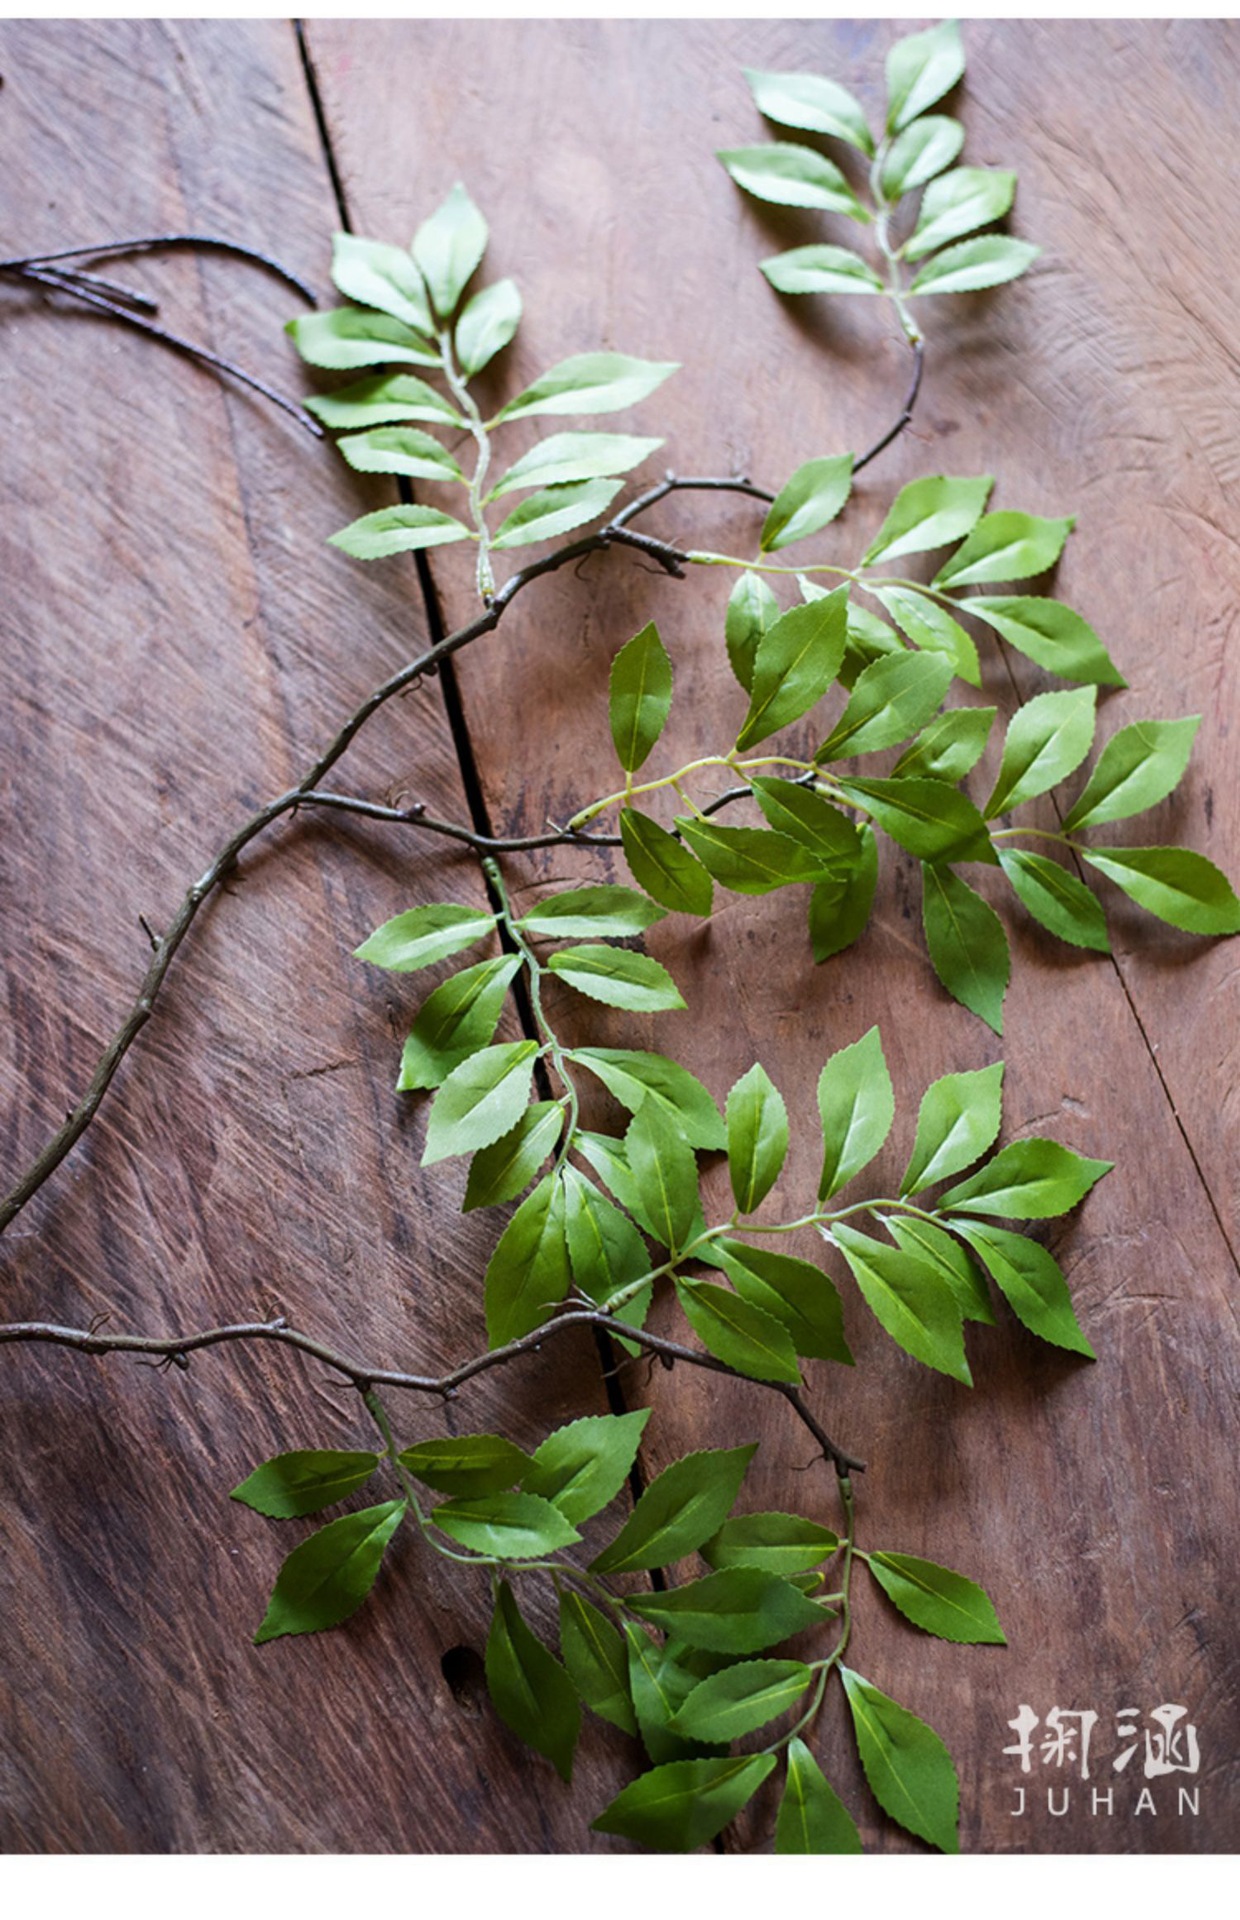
(176, 644)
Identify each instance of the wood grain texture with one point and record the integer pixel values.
(1098, 1503)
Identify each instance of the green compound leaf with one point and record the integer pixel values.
(660, 1681)
(931, 627)
(640, 696)
(812, 1817)
(604, 1247)
(1138, 767)
(921, 68)
(1055, 897)
(681, 1806)
(791, 175)
(930, 513)
(803, 815)
(328, 1576)
(728, 1705)
(500, 1172)
(967, 944)
(1182, 888)
(553, 511)
(757, 1122)
(749, 859)
(778, 1542)
(1051, 635)
(923, 149)
(926, 817)
(597, 1661)
(892, 698)
(664, 1170)
(574, 456)
(958, 1119)
(839, 911)
(685, 1505)
(348, 337)
(797, 659)
(471, 1463)
(923, 1240)
(1032, 1282)
(794, 1292)
(424, 935)
(531, 1692)
(618, 978)
(752, 608)
(480, 1100)
(910, 1771)
(815, 104)
(958, 203)
(634, 1078)
(988, 261)
(378, 275)
(937, 1600)
(1005, 546)
(580, 1468)
(487, 325)
(660, 863)
(459, 1017)
(403, 450)
(391, 530)
(291, 1484)
(385, 400)
(743, 1336)
(1046, 741)
(950, 747)
(529, 1271)
(857, 1106)
(821, 269)
(740, 1610)
(808, 502)
(447, 249)
(910, 1299)
(590, 383)
(505, 1526)
(1031, 1179)
(610, 912)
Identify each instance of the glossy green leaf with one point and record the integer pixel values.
(988, 261)
(639, 696)
(728, 1705)
(892, 698)
(457, 1019)
(681, 1806)
(839, 911)
(424, 935)
(909, 1298)
(378, 275)
(958, 203)
(664, 866)
(952, 1261)
(480, 1100)
(469, 1463)
(921, 68)
(794, 1292)
(580, 1468)
(682, 1507)
(500, 1172)
(448, 248)
(821, 269)
(738, 1610)
(752, 608)
(660, 1682)
(383, 400)
(1047, 739)
(909, 1769)
(529, 1271)
(402, 450)
(1032, 1282)
(574, 456)
(937, 1600)
(809, 101)
(749, 859)
(376, 536)
(486, 325)
(930, 513)
(1052, 636)
(967, 944)
(800, 814)
(597, 1661)
(923, 149)
(958, 1119)
(617, 977)
(635, 1077)
(348, 337)
(664, 1169)
(869, 638)
(757, 1122)
(553, 511)
(1138, 767)
(1055, 897)
(590, 383)
(743, 1336)
(930, 626)
(857, 1105)
(1182, 888)
(611, 912)
(950, 747)
(1031, 1179)
(792, 175)
(505, 1526)
(805, 504)
(779, 1542)
(797, 659)
(326, 1578)
(291, 1484)
(812, 1818)
(926, 817)
(531, 1692)
(604, 1247)
(1005, 546)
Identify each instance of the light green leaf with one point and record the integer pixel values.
(1005, 546)
(659, 862)
(1182, 888)
(743, 1336)
(639, 696)
(937, 1600)
(921, 68)
(930, 626)
(909, 1769)
(505, 1526)
(988, 261)
(812, 1817)
(749, 859)
(821, 269)
(381, 401)
(739, 1610)
(892, 698)
(800, 814)
(958, 1119)
(469, 1463)
(402, 450)
(580, 1468)
(531, 1692)
(346, 337)
(927, 817)
(1057, 900)
(967, 944)
(480, 1100)
(757, 1121)
(376, 536)
(377, 275)
(424, 935)
(1138, 767)
(958, 203)
(447, 249)
(660, 1684)
(953, 1262)
(328, 1576)
(728, 1705)
(597, 1661)
(815, 104)
(1047, 739)
(869, 638)
(839, 911)
(611, 911)
(501, 1171)
(1052, 636)
(950, 747)
(805, 504)
(685, 1505)
(606, 1251)
(486, 325)
(797, 659)
(1032, 1282)
(1032, 1179)
(664, 1171)
(618, 978)
(556, 510)
(929, 513)
(636, 1078)
(752, 608)
(574, 456)
(909, 1298)
(529, 1272)
(923, 149)
(792, 175)
(590, 383)
(857, 1106)
(291, 1484)
(681, 1806)
(779, 1542)
(458, 1018)
(795, 1293)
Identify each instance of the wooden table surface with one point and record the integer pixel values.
(178, 640)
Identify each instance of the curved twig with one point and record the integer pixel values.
(159, 242)
(906, 411)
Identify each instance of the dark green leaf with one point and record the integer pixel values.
(480, 1100)
(805, 504)
(448, 247)
(597, 1661)
(1056, 898)
(728, 1705)
(809, 101)
(665, 867)
(634, 1077)
(857, 1105)
(327, 1577)
(1182, 888)
(1136, 769)
(893, 697)
(347, 337)
(929, 513)
(403, 450)
(739, 1610)
(923, 149)
(988, 261)
(921, 68)
(812, 1817)
(685, 1505)
(424, 935)
(752, 608)
(958, 203)
(757, 1122)
(391, 530)
(779, 1542)
(505, 1526)
(1005, 546)
(930, 626)
(743, 1336)
(937, 1600)
(792, 175)
(950, 747)
(553, 511)
(468, 1464)
(800, 814)
(606, 1251)
(1046, 740)
(1031, 1179)
(1031, 1280)
(295, 1483)
(664, 1170)
(381, 401)
(610, 912)
(749, 859)
(909, 1769)
(532, 1693)
(590, 383)
(581, 1467)
(794, 1292)
(617, 977)
(967, 944)
(910, 1298)
(500, 1172)
(574, 456)
(797, 659)
(529, 1272)
(458, 1018)
(660, 1684)
(821, 269)
(487, 325)
(921, 1238)
(1052, 636)
(639, 697)
(926, 817)
(958, 1119)
(840, 911)
(377, 275)
(681, 1806)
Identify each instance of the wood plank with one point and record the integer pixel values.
(178, 642)
(1098, 1504)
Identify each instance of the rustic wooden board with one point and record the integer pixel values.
(1097, 1502)
(177, 644)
